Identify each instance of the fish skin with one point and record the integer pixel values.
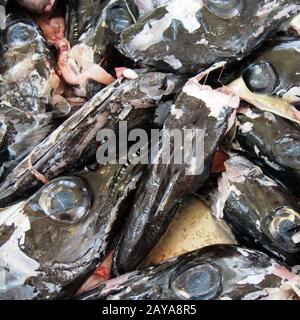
(59, 265)
(198, 38)
(26, 84)
(234, 266)
(59, 256)
(164, 186)
(272, 143)
(259, 211)
(57, 153)
(35, 6)
(282, 54)
(78, 12)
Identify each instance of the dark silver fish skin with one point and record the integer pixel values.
(50, 243)
(258, 210)
(27, 115)
(164, 186)
(123, 100)
(273, 70)
(206, 32)
(272, 142)
(103, 28)
(219, 272)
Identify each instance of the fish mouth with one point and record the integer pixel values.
(276, 105)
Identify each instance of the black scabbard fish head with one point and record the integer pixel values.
(53, 241)
(260, 212)
(26, 83)
(218, 272)
(133, 100)
(201, 116)
(205, 32)
(273, 143)
(271, 80)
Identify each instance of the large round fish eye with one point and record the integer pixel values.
(225, 9)
(260, 78)
(119, 19)
(65, 199)
(284, 227)
(20, 34)
(197, 282)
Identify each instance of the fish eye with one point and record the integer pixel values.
(65, 199)
(119, 19)
(20, 34)
(284, 227)
(225, 9)
(260, 78)
(197, 282)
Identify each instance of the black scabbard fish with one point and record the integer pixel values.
(260, 212)
(146, 6)
(27, 82)
(132, 100)
(272, 142)
(205, 32)
(270, 80)
(198, 109)
(218, 272)
(50, 243)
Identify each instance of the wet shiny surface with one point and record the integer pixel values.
(208, 31)
(76, 227)
(219, 272)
